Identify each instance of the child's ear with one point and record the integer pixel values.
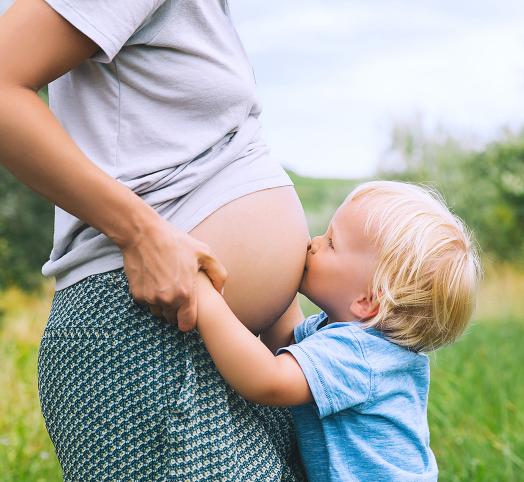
(365, 306)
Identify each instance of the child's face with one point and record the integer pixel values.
(340, 265)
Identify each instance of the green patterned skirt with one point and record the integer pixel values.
(126, 396)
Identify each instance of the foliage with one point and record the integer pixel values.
(476, 405)
(484, 187)
(320, 197)
(26, 452)
(26, 234)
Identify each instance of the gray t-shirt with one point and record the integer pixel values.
(168, 108)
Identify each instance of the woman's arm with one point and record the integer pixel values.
(242, 359)
(37, 45)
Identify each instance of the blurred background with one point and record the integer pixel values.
(431, 92)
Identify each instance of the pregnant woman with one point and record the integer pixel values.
(151, 151)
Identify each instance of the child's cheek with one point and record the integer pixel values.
(303, 284)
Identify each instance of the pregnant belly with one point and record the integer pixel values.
(261, 239)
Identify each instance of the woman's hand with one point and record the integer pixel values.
(162, 266)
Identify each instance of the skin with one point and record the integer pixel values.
(265, 268)
(340, 265)
(239, 246)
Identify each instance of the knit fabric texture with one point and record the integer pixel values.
(127, 396)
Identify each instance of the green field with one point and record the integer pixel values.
(476, 408)
(476, 403)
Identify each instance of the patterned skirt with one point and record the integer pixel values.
(126, 396)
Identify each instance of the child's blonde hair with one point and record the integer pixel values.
(428, 266)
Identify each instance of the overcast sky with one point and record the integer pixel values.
(334, 76)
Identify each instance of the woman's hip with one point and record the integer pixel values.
(125, 396)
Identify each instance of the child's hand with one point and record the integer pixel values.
(203, 280)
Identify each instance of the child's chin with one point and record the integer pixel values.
(302, 287)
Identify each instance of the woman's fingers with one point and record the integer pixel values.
(177, 313)
(162, 269)
(156, 310)
(187, 314)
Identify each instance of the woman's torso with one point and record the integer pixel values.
(261, 238)
(156, 108)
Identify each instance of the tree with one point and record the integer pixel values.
(484, 187)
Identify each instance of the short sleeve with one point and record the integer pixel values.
(336, 370)
(306, 328)
(109, 23)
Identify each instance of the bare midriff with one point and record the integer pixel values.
(261, 239)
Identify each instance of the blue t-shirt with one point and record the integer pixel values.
(368, 421)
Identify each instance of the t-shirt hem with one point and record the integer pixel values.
(96, 266)
(115, 260)
(234, 193)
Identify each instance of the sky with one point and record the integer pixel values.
(335, 76)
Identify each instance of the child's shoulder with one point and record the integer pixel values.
(380, 353)
(309, 326)
(348, 366)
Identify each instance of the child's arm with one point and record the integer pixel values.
(281, 333)
(242, 359)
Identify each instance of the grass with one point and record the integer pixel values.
(476, 409)
(26, 453)
(476, 406)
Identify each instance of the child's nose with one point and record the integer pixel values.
(312, 246)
